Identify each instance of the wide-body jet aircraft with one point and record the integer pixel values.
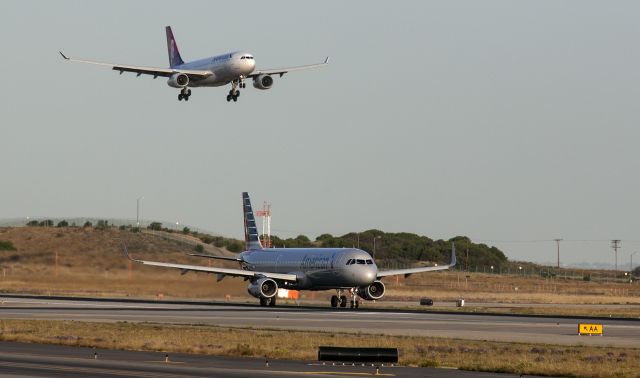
(346, 270)
(216, 71)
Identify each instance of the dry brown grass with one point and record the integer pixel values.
(91, 263)
(519, 358)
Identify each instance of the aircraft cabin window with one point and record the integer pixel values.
(369, 262)
(361, 262)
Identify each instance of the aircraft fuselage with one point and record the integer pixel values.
(315, 268)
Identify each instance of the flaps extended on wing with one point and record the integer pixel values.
(282, 71)
(410, 271)
(219, 271)
(141, 70)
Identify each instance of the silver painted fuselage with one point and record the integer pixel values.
(224, 68)
(315, 268)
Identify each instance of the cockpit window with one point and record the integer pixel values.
(243, 57)
(369, 262)
(350, 262)
(361, 261)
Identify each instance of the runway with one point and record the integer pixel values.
(545, 330)
(35, 360)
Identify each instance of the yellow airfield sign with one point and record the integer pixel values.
(590, 329)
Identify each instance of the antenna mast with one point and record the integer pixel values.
(265, 213)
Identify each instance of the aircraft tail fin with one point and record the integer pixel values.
(251, 236)
(172, 47)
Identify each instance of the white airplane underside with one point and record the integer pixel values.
(231, 68)
(347, 270)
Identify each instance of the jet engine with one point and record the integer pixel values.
(263, 82)
(372, 292)
(178, 80)
(263, 288)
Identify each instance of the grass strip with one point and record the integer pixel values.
(489, 356)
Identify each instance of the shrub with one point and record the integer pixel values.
(206, 239)
(234, 247)
(6, 245)
(63, 223)
(156, 226)
(87, 224)
(199, 248)
(218, 241)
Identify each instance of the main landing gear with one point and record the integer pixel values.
(341, 300)
(234, 93)
(184, 94)
(268, 301)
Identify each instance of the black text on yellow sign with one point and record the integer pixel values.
(590, 329)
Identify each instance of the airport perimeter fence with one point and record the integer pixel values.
(550, 273)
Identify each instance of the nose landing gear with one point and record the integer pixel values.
(184, 94)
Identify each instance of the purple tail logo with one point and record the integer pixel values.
(172, 48)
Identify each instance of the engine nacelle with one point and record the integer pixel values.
(263, 82)
(178, 80)
(263, 288)
(372, 292)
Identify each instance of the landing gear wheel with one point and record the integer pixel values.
(228, 98)
(180, 97)
(343, 301)
(272, 301)
(263, 301)
(188, 92)
(334, 301)
(235, 98)
(186, 98)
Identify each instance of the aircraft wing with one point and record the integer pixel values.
(219, 271)
(282, 71)
(141, 70)
(410, 271)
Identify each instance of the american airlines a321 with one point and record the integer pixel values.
(438, 189)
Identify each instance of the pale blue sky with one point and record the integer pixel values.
(499, 120)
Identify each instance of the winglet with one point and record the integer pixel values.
(453, 255)
(64, 56)
(125, 251)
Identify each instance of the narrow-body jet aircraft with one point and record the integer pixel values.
(347, 270)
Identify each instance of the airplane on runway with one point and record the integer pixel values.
(216, 71)
(346, 270)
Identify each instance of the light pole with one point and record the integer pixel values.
(374, 244)
(177, 224)
(631, 261)
(558, 243)
(138, 211)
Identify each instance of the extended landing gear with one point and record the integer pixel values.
(268, 301)
(234, 93)
(184, 94)
(342, 301)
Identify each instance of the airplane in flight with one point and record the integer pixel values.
(346, 270)
(233, 67)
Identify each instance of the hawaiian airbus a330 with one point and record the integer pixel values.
(234, 67)
(347, 270)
